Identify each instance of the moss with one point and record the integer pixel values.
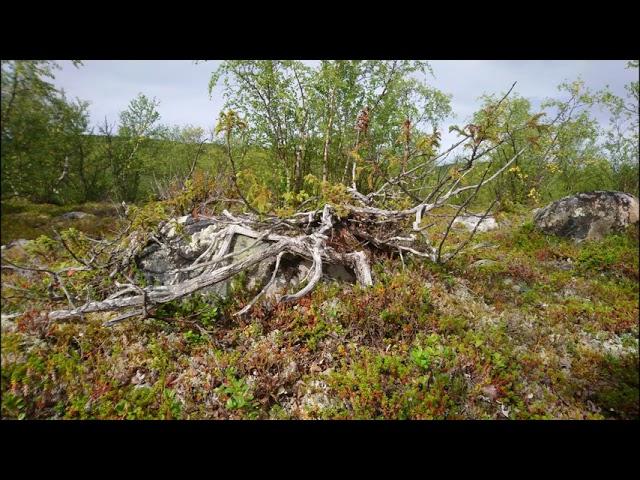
(21, 219)
(425, 342)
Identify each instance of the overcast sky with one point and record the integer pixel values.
(181, 86)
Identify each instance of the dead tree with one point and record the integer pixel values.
(317, 235)
(305, 235)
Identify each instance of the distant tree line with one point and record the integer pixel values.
(288, 128)
(51, 154)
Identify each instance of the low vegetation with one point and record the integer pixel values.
(339, 164)
(22, 219)
(519, 326)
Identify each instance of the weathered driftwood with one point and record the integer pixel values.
(317, 236)
(311, 246)
(216, 264)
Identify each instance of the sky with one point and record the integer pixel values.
(181, 86)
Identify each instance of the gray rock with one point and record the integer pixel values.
(75, 215)
(470, 221)
(483, 263)
(159, 263)
(561, 264)
(588, 216)
(185, 239)
(7, 322)
(315, 396)
(516, 287)
(20, 242)
(483, 245)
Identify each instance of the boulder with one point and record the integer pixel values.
(470, 221)
(484, 263)
(20, 242)
(588, 216)
(75, 215)
(181, 246)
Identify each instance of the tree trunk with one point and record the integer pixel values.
(407, 138)
(298, 169)
(327, 141)
(354, 163)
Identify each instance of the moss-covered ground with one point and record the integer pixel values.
(21, 219)
(519, 326)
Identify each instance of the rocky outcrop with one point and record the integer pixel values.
(20, 243)
(588, 216)
(75, 215)
(170, 261)
(470, 221)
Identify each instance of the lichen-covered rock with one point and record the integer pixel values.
(470, 221)
(314, 397)
(75, 215)
(484, 263)
(185, 239)
(20, 243)
(588, 216)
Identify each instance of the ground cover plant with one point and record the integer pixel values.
(338, 166)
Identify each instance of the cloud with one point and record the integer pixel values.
(182, 86)
(536, 80)
(179, 85)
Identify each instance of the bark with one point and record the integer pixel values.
(327, 139)
(298, 169)
(311, 246)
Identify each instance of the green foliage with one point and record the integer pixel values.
(305, 117)
(421, 357)
(44, 247)
(230, 121)
(127, 163)
(335, 195)
(622, 140)
(148, 217)
(255, 191)
(612, 254)
(41, 132)
(293, 199)
(238, 394)
(619, 395)
(192, 193)
(193, 338)
(23, 219)
(50, 154)
(432, 353)
(206, 308)
(450, 342)
(288, 120)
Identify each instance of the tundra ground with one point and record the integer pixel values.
(519, 326)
